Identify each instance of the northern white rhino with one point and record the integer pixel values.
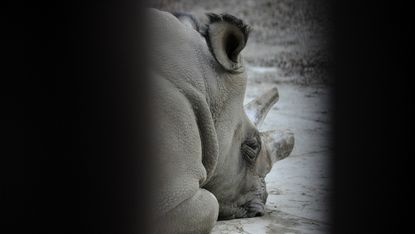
(211, 157)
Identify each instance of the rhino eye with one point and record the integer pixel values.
(250, 149)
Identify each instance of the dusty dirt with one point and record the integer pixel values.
(287, 48)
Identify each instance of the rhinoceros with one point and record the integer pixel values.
(212, 159)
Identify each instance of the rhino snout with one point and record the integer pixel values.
(255, 208)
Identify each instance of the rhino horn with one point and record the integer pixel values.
(258, 109)
(279, 143)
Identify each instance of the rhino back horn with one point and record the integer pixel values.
(258, 108)
(279, 143)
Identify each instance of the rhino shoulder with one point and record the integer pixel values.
(187, 139)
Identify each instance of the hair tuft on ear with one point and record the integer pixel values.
(245, 28)
(226, 36)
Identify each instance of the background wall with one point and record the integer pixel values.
(291, 35)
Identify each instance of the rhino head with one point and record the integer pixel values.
(239, 184)
(204, 65)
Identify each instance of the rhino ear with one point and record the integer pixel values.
(226, 36)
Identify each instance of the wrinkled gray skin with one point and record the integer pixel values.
(212, 158)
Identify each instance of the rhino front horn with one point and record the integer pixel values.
(279, 143)
(258, 109)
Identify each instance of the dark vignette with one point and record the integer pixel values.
(75, 155)
(372, 119)
(69, 162)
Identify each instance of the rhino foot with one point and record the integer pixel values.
(197, 214)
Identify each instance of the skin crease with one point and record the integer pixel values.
(201, 129)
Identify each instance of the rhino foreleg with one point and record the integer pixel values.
(197, 214)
